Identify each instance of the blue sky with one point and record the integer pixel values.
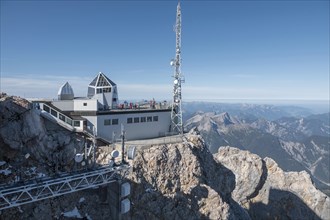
(230, 49)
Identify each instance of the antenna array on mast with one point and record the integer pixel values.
(176, 114)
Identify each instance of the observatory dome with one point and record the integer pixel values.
(65, 92)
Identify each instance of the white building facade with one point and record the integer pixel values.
(100, 112)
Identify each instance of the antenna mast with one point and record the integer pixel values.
(176, 114)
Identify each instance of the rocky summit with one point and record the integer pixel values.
(24, 132)
(185, 181)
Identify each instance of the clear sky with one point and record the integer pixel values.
(230, 49)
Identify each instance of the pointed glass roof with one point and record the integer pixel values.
(101, 80)
(65, 89)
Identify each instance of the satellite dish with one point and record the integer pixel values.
(79, 157)
(27, 156)
(115, 154)
(176, 81)
(172, 63)
(83, 163)
(131, 152)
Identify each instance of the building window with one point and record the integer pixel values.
(143, 119)
(68, 121)
(155, 118)
(107, 122)
(85, 104)
(76, 123)
(129, 120)
(62, 117)
(149, 119)
(114, 121)
(136, 120)
(106, 90)
(53, 112)
(46, 108)
(114, 100)
(98, 91)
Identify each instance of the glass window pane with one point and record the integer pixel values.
(76, 123)
(107, 122)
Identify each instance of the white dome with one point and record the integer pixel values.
(65, 92)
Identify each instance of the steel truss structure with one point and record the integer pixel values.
(176, 114)
(65, 184)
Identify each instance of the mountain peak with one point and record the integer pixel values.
(224, 119)
(184, 180)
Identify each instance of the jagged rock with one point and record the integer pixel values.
(267, 192)
(296, 144)
(23, 129)
(250, 171)
(182, 181)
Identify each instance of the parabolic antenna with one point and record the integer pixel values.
(115, 154)
(176, 81)
(79, 157)
(131, 152)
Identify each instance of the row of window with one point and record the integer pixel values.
(60, 116)
(131, 120)
(103, 90)
(111, 121)
(142, 119)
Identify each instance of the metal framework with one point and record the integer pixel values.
(176, 114)
(44, 189)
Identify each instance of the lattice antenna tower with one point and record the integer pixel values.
(176, 114)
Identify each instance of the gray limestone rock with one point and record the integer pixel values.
(24, 130)
(267, 192)
(182, 181)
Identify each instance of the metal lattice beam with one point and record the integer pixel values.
(45, 189)
(176, 114)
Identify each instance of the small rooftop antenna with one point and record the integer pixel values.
(176, 113)
(122, 144)
(94, 146)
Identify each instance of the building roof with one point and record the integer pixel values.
(65, 89)
(101, 80)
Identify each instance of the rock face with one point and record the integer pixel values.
(296, 144)
(185, 181)
(23, 131)
(267, 192)
(182, 181)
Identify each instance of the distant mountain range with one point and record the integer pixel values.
(248, 111)
(295, 140)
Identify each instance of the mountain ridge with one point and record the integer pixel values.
(295, 143)
(169, 181)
